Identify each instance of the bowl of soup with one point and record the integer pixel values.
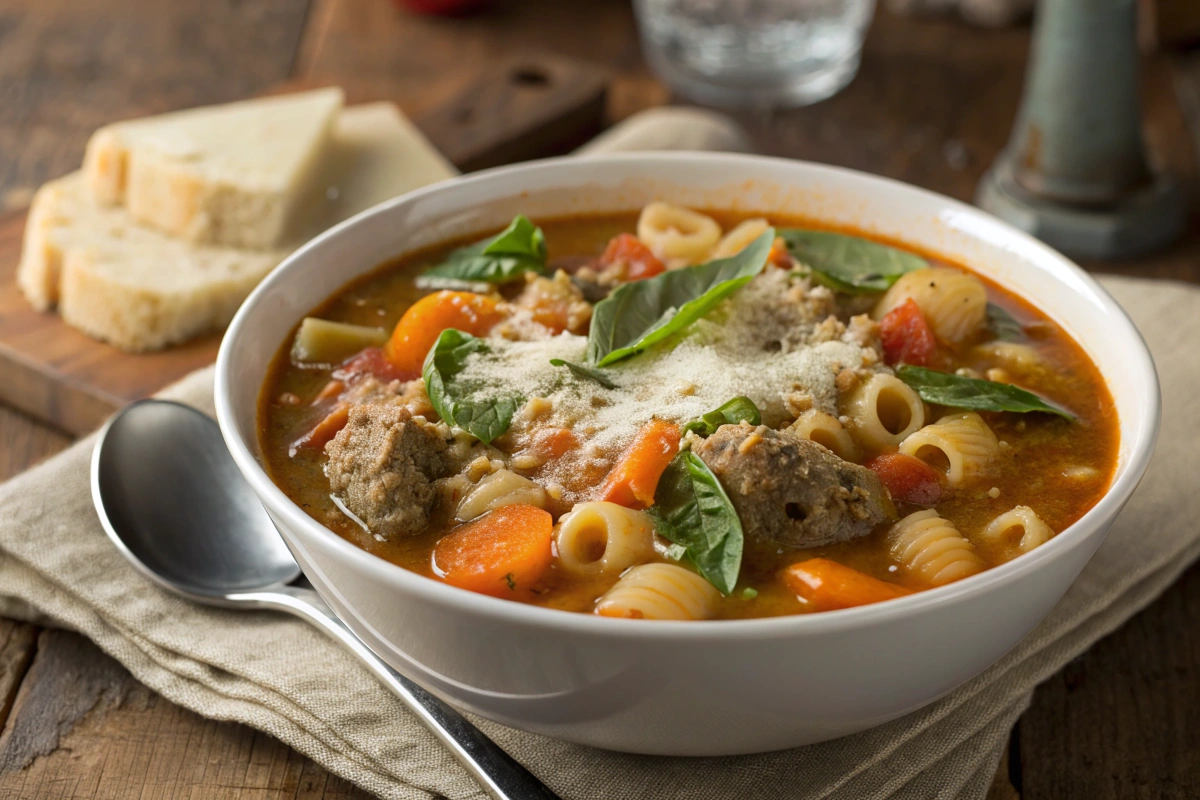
(686, 454)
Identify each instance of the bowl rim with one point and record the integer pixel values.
(1125, 480)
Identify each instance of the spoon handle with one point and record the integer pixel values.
(501, 777)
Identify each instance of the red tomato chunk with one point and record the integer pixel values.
(907, 338)
(908, 479)
(639, 261)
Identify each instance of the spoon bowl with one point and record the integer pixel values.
(171, 499)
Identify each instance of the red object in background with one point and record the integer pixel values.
(907, 478)
(444, 8)
(627, 248)
(906, 336)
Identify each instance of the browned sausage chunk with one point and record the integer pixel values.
(383, 464)
(792, 492)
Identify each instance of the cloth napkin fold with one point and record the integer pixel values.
(276, 674)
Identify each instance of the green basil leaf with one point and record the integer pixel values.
(445, 362)
(584, 372)
(519, 248)
(1002, 323)
(739, 409)
(849, 264)
(959, 391)
(639, 314)
(691, 509)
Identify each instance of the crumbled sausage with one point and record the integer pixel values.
(792, 492)
(383, 465)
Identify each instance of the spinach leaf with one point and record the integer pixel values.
(958, 391)
(1002, 323)
(584, 372)
(736, 410)
(639, 314)
(691, 509)
(485, 420)
(519, 248)
(849, 264)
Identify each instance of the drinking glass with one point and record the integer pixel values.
(754, 53)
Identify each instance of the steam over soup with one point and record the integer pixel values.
(680, 415)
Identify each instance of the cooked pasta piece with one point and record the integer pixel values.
(659, 591)
(599, 538)
(883, 411)
(1024, 520)
(1016, 356)
(827, 431)
(677, 235)
(501, 488)
(931, 549)
(737, 239)
(953, 302)
(962, 444)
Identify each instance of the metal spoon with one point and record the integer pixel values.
(173, 502)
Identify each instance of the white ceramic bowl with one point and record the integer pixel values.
(695, 688)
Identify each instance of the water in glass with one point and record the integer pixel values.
(754, 52)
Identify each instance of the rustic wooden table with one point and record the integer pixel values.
(932, 106)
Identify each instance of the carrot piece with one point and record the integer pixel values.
(503, 553)
(639, 261)
(425, 320)
(907, 337)
(827, 585)
(779, 255)
(329, 391)
(908, 478)
(326, 429)
(552, 443)
(635, 477)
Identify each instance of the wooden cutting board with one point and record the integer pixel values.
(528, 107)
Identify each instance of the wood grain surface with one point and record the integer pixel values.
(932, 105)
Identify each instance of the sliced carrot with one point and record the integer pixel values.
(552, 443)
(635, 477)
(329, 391)
(425, 320)
(503, 553)
(326, 429)
(827, 585)
(779, 255)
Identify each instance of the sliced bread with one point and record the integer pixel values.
(139, 289)
(228, 175)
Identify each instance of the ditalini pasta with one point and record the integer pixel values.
(962, 444)
(932, 550)
(827, 431)
(659, 591)
(603, 538)
(953, 302)
(641, 416)
(677, 234)
(501, 488)
(1020, 521)
(883, 411)
(736, 240)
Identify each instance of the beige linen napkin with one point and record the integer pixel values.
(276, 674)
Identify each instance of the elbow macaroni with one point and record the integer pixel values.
(827, 431)
(659, 591)
(964, 440)
(598, 537)
(1034, 532)
(953, 302)
(737, 239)
(677, 235)
(501, 488)
(930, 548)
(884, 411)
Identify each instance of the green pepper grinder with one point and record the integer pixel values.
(1075, 172)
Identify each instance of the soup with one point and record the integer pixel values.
(685, 415)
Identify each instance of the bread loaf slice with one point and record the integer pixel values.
(229, 175)
(139, 289)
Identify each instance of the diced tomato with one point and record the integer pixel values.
(908, 479)
(639, 261)
(372, 361)
(907, 337)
